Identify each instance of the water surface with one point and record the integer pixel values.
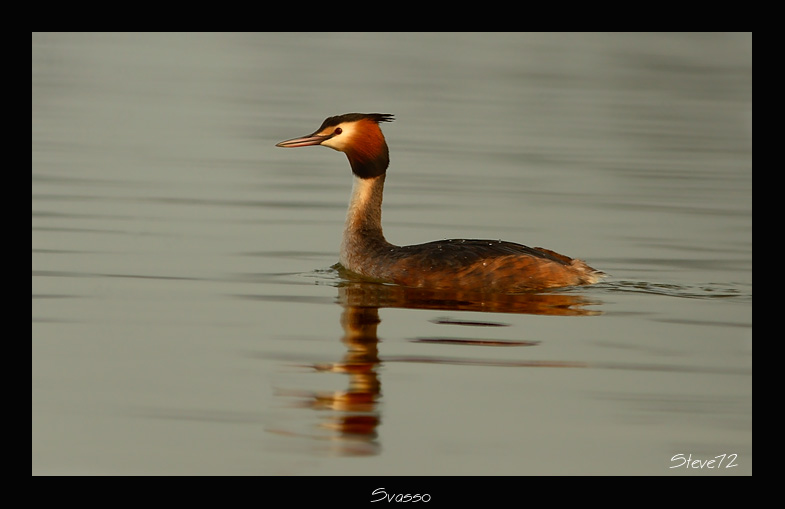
(188, 319)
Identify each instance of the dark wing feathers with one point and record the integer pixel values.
(460, 252)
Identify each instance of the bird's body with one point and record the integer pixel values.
(465, 264)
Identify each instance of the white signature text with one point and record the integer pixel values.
(715, 462)
(400, 497)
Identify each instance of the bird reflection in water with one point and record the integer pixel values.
(354, 413)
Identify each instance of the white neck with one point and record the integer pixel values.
(363, 227)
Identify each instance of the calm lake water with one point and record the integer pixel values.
(187, 317)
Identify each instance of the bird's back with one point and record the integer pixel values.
(483, 265)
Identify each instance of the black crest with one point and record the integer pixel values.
(353, 117)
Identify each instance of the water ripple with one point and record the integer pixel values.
(697, 291)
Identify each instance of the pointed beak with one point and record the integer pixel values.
(306, 141)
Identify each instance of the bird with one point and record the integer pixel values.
(473, 265)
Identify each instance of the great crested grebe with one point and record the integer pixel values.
(466, 265)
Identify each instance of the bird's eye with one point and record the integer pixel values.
(338, 130)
